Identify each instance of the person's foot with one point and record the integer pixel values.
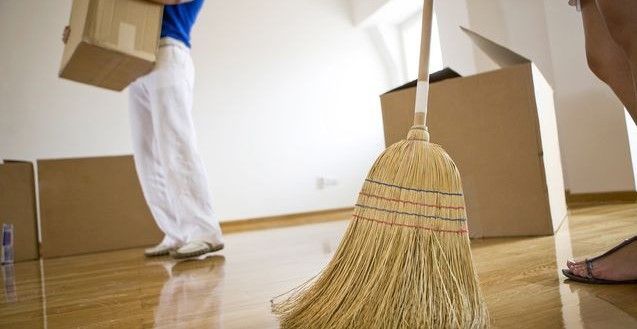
(161, 249)
(195, 248)
(620, 265)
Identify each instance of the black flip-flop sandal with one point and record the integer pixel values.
(590, 279)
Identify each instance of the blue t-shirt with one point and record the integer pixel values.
(179, 19)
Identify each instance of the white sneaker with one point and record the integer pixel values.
(195, 248)
(161, 249)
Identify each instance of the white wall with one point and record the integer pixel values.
(395, 29)
(363, 9)
(372, 12)
(286, 91)
(457, 50)
(593, 137)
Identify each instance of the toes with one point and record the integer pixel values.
(575, 270)
(578, 269)
(570, 264)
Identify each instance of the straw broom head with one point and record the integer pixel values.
(405, 260)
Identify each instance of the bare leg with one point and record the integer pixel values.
(610, 27)
(621, 19)
(606, 58)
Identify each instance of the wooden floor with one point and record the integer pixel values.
(520, 278)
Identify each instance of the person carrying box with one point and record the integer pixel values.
(167, 159)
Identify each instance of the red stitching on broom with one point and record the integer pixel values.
(409, 202)
(462, 231)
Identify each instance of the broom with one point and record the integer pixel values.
(405, 259)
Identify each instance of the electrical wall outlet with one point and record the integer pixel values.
(325, 182)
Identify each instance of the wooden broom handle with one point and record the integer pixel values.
(422, 88)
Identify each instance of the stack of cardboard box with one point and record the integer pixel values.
(501, 130)
(86, 205)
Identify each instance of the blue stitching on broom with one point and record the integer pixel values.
(413, 189)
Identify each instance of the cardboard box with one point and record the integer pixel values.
(91, 205)
(500, 129)
(17, 207)
(112, 42)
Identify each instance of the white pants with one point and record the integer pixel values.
(170, 169)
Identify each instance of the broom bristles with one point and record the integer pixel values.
(405, 259)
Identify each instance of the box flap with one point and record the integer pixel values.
(8, 161)
(501, 55)
(441, 75)
(18, 207)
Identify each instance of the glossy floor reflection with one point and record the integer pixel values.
(232, 289)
